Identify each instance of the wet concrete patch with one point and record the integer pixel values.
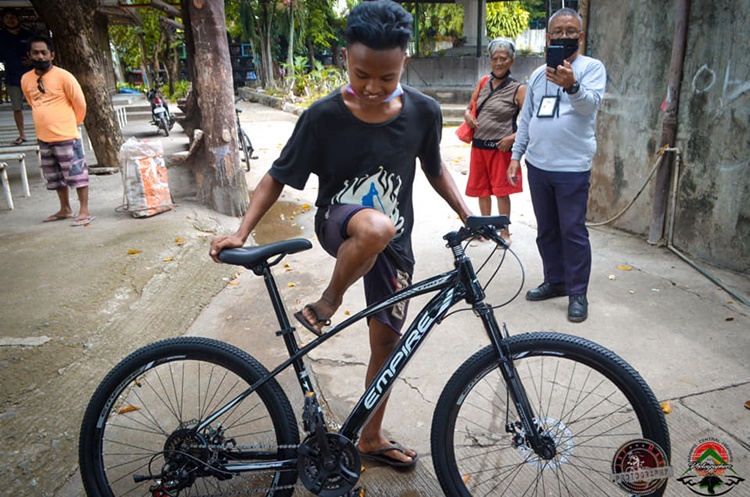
(286, 219)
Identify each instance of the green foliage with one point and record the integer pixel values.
(537, 9)
(506, 19)
(127, 39)
(309, 86)
(435, 23)
(140, 88)
(180, 90)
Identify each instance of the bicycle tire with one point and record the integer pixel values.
(247, 148)
(139, 416)
(589, 399)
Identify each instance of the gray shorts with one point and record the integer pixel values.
(16, 97)
(385, 278)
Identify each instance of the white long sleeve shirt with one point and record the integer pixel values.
(567, 141)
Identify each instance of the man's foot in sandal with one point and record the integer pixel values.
(393, 455)
(58, 216)
(19, 140)
(83, 221)
(506, 236)
(312, 316)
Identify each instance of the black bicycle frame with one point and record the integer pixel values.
(459, 284)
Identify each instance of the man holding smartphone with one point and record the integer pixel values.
(556, 133)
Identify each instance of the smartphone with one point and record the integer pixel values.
(555, 56)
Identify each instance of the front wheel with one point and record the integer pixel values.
(587, 402)
(139, 433)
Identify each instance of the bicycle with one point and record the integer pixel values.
(529, 414)
(246, 146)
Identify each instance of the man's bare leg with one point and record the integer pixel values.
(382, 342)
(485, 206)
(64, 198)
(18, 116)
(83, 200)
(503, 207)
(369, 233)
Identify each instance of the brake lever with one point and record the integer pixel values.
(491, 233)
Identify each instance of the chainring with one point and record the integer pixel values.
(332, 475)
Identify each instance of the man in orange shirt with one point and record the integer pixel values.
(58, 108)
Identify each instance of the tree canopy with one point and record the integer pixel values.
(282, 31)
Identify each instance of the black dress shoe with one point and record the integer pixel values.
(578, 308)
(546, 291)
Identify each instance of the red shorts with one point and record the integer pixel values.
(488, 174)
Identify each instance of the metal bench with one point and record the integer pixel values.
(21, 158)
(6, 185)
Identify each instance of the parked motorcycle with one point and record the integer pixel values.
(160, 115)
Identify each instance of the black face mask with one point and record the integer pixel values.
(41, 64)
(570, 45)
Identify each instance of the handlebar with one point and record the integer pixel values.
(480, 226)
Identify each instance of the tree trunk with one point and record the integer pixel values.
(290, 50)
(215, 160)
(72, 23)
(264, 34)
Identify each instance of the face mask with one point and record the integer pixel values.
(569, 44)
(41, 64)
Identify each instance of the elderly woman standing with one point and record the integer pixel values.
(499, 99)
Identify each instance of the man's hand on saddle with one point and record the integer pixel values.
(221, 242)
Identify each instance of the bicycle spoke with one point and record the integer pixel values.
(582, 412)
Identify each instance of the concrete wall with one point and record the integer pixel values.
(634, 39)
(465, 70)
(457, 75)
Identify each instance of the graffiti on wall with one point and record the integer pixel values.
(705, 78)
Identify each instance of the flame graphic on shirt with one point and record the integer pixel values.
(379, 191)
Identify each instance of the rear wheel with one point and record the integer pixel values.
(139, 434)
(587, 401)
(164, 124)
(246, 148)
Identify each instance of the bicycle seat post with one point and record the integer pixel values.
(286, 330)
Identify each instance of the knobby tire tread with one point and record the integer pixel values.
(219, 353)
(583, 352)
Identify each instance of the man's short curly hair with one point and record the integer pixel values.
(380, 25)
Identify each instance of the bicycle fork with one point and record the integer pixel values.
(530, 432)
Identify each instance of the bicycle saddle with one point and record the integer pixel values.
(258, 255)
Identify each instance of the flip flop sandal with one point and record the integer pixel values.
(303, 321)
(83, 221)
(57, 217)
(18, 141)
(380, 457)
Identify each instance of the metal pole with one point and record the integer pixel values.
(583, 11)
(669, 124)
(479, 27)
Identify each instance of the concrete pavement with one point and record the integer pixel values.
(685, 335)
(680, 331)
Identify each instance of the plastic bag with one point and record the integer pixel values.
(144, 178)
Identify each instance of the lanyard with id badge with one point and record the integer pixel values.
(550, 104)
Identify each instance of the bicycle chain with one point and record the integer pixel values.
(252, 491)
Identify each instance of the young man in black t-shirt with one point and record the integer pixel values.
(362, 141)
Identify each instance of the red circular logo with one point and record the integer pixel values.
(710, 458)
(640, 467)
